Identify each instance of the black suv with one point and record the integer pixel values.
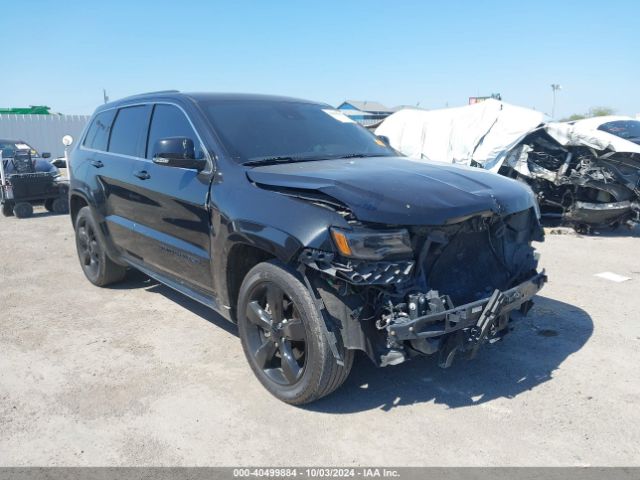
(311, 233)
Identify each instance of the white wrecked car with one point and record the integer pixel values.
(586, 172)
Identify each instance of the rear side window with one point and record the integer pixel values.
(627, 129)
(169, 121)
(98, 134)
(128, 131)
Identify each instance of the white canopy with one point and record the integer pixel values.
(486, 132)
(483, 132)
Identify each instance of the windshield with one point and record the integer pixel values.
(257, 130)
(627, 129)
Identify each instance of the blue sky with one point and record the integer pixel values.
(397, 52)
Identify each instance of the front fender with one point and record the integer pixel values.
(278, 243)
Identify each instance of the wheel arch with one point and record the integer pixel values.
(77, 201)
(246, 250)
(242, 257)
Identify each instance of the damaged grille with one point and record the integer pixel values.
(468, 268)
(471, 260)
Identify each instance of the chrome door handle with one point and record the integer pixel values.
(97, 163)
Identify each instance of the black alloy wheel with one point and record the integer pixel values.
(88, 248)
(283, 336)
(96, 264)
(276, 337)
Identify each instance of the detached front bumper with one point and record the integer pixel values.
(604, 213)
(467, 326)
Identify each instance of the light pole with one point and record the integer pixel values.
(554, 87)
(67, 140)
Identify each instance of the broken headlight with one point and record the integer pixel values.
(371, 244)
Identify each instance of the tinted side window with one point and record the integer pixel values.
(129, 128)
(98, 133)
(169, 121)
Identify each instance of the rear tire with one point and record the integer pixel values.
(60, 205)
(285, 343)
(48, 204)
(96, 264)
(23, 210)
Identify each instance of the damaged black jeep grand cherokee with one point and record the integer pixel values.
(311, 233)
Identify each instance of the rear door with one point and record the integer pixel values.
(173, 218)
(115, 167)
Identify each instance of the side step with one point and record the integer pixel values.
(202, 298)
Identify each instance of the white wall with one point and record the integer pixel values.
(42, 132)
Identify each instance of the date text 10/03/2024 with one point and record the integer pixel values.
(316, 472)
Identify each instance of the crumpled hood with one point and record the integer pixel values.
(400, 191)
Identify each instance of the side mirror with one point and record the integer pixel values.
(384, 139)
(59, 163)
(46, 155)
(177, 152)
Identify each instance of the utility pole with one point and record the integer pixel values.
(554, 87)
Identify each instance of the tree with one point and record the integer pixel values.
(592, 112)
(600, 111)
(573, 118)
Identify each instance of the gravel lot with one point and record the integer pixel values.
(140, 375)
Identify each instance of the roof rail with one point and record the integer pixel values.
(149, 93)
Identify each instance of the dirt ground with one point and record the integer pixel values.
(140, 375)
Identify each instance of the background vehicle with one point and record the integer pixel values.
(304, 228)
(41, 163)
(626, 128)
(27, 180)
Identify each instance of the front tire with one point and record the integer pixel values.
(96, 264)
(23, 210)
(7, 209)
(282, 335)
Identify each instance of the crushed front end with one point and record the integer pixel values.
(400, 292)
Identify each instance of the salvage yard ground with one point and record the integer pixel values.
(140, 375)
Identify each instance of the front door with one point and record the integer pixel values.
(172, 216)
